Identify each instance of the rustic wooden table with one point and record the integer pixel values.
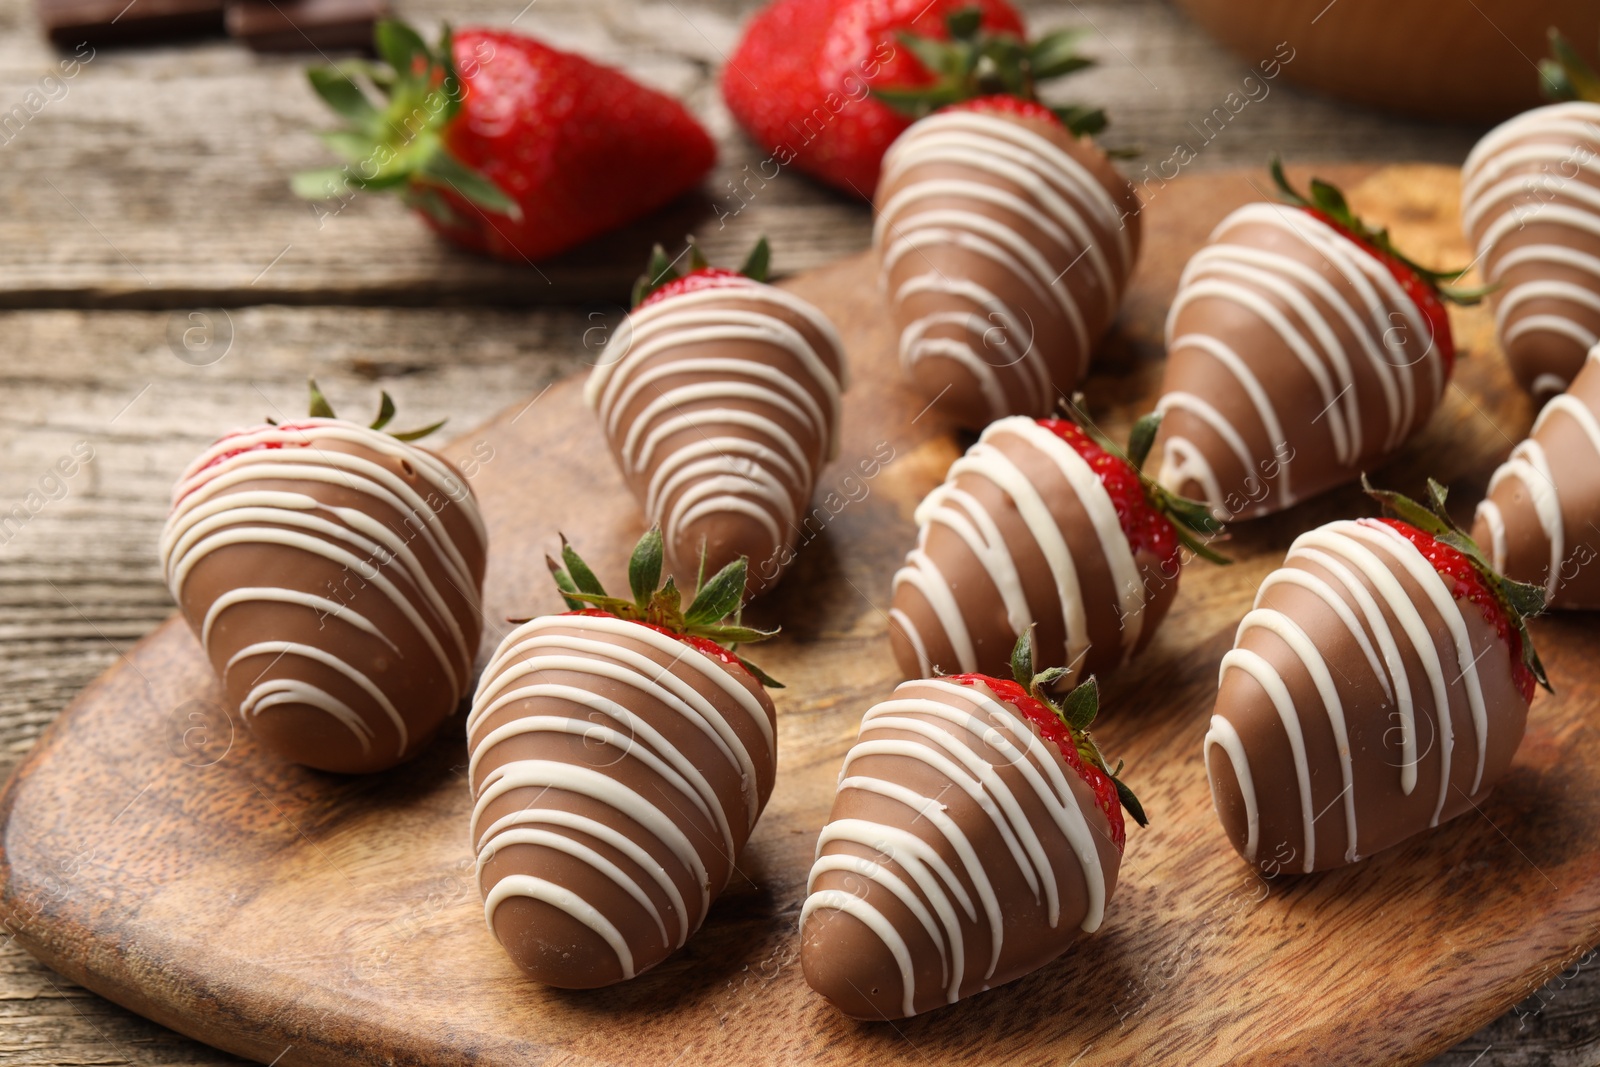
(158, 285)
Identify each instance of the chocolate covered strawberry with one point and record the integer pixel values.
(1005, 236)
(800, 81)
(720, 400)
(1540, 521)
(1043, 523)
(621, 754)
(976, 832)
(332, 572)
(1302, 349)
(1379, 687)
(503, 144)
(1531, 207)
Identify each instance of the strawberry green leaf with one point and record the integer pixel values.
(733, 635)
(758, 262)
(400, 46)
(419, 434)
(1566, 76)
(581, 574)
(343, 95)
(656, 274)
(385, 411)
(1056, 54)
(1142, 437)
(1130, 802)
(1022, 658)
(471, 185)
(644, 568)
(963, 23)
(320, 408)
(936, 56)
(761, 676)
(1082, 121)
(1081, 705)
(564, 582)
(718, 598)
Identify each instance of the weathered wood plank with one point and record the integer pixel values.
(157, 178)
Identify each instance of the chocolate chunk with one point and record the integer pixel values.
(304, 25)
(69, 23)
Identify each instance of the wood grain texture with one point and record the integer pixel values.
(1422, 944)
(158, 178)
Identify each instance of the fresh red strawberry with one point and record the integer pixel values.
(1426, 288)
(966, 781)
(504, 144)
(621, 754)
(800, 78)
(1379, 687)
(963, 597)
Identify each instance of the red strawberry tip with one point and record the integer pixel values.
(662, 278)
(997, 71)
(1506, 604)
(704, 624)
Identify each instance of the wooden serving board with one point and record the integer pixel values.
(154, 854)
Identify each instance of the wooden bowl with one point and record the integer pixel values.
(1472, 61)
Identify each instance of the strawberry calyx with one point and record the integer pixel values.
(662, 278)
(1565, 76)
(1506, 604)
(978, 68)
(1152, 517)
(1065, 723)
(397, 115)
(1427, 288)
(703, 625)
(319, 409)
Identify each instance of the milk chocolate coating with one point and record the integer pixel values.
(333, 575)
(1530, 204)
(1356, 646)
(1295, 362)
(721, 405)
(1541, 520)
(1006, 245)
(1023, 532)
(962, 852)
(616, 772)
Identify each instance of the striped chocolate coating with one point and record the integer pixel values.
(1530, 205)
(1541, 520)
(1295, 362)
(962, 852)
(333, 575)
(721, 404)
(1005, 246)
(1023, 532)
(1362, 703)
(616, 773)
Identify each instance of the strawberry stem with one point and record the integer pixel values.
(396, 118)
(1519, 600)
(660, 605)
(321, 409)
(1077, 711)
(1328, 201)
(1565, 76)
(974, 63)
